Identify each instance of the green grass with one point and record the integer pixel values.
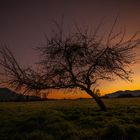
(70, 120)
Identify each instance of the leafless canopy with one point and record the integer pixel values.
(78, 60)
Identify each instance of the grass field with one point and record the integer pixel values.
(70, 120)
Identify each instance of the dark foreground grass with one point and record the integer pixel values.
(70, 120)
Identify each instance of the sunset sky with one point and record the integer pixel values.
(23, 24)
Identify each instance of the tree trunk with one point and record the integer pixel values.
(97, 99)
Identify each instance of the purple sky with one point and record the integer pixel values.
(23, 23)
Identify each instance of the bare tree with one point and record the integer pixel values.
(78, 60)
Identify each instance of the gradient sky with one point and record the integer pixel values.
(23, 23)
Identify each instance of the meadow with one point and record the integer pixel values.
(70, 120)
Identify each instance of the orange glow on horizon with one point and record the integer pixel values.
(105, 87)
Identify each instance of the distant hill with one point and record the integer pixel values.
(126, 93)
(8, 95)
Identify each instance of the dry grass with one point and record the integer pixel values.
(70, 120)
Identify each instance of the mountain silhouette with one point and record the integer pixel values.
(126, 93)
(9, 95)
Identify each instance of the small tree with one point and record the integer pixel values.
(97, 92)
(78, 60)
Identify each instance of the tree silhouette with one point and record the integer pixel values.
(77, 60)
